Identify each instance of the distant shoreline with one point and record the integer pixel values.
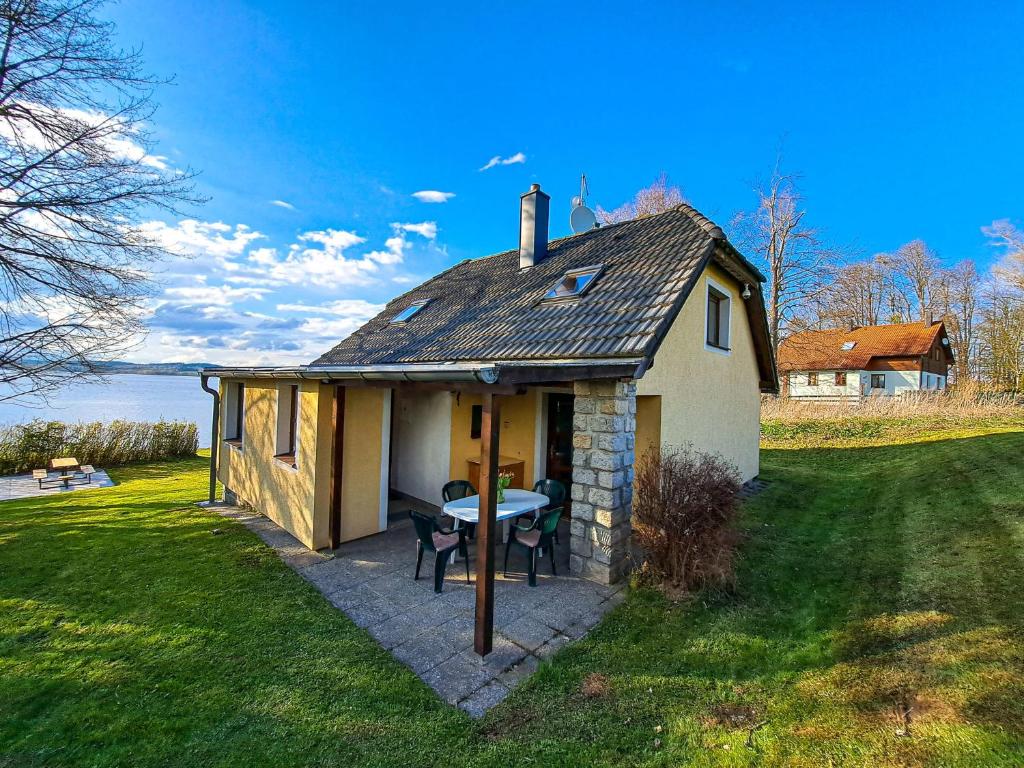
(118, 367)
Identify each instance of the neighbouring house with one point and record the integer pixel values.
(575, 356)
(870, 361)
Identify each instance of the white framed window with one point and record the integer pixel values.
(574, 283)
(286, 443)
(717, 318)
(407, 314)
(233, 423)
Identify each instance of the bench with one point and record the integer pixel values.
(81, 476)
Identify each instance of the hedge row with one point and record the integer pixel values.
(24, 447)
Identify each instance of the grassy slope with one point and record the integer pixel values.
(872, 577)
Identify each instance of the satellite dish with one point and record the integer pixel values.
(582, 219)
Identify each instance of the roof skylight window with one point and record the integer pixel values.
(409, 312)
(848, 345)
(573, 283)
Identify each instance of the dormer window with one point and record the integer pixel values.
(409, 312)
(573, 283)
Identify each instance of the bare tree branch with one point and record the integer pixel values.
(797, 262)
(659, 196)
(76, 177)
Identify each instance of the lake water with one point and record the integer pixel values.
(125, 396)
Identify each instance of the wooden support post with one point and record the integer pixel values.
(486, 528)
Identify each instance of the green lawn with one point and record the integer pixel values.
(874, 580)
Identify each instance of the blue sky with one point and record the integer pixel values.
(905, 121)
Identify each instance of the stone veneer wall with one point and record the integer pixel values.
(604, 422)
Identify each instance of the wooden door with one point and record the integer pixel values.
(559, 448)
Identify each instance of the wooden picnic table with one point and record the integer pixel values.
(64, 465)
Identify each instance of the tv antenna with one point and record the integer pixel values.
(582, 219)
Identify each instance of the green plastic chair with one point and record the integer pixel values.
(555, 491)
(539, 535)
(430, 536)
(460, 489)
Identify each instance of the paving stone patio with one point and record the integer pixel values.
(371, 581)
(25, 487)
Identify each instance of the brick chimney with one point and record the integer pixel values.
(533, 226)
(928, 317)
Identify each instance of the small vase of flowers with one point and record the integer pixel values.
(504, 481)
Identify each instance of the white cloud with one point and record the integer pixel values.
(427, 229)
(324, 333)
(283, 204)
(113, 133)
(319, 259)
(213, 305)
(333, 240)
(518, 157)
(346, 307)
(201, 238)
(213, 295)
(433, 196)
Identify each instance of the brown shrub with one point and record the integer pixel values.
(684, 510)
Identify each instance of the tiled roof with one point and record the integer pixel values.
(823, 350)
(489, 310)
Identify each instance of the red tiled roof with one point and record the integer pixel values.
(823, 350)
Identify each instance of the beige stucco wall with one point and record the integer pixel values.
(297, 499)
(708, 398)
(516, 438)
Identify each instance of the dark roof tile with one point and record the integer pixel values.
(489, 310)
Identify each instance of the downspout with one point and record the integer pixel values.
(204, 383)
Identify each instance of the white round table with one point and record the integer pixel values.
(517, 502)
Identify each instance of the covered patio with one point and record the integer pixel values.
(370, 580)
(347, 428)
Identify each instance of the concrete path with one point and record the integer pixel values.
(371, 581)
(25, 487)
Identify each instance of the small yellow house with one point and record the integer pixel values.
(598, 346)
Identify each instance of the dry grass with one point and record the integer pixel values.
(969, 401)
(595, 686)
(914, 416)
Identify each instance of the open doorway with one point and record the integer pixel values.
(558, 450)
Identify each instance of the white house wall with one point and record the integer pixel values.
(826, 389)
(897, 382)
(859, 383)
(422, 444)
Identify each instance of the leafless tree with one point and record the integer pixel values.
(857, 295)
(1003, 234)
(913, 270)
(955, 297)
(659, 196)
(1001, 339)
(797, 261)
(76, 177)
(1001, 328)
